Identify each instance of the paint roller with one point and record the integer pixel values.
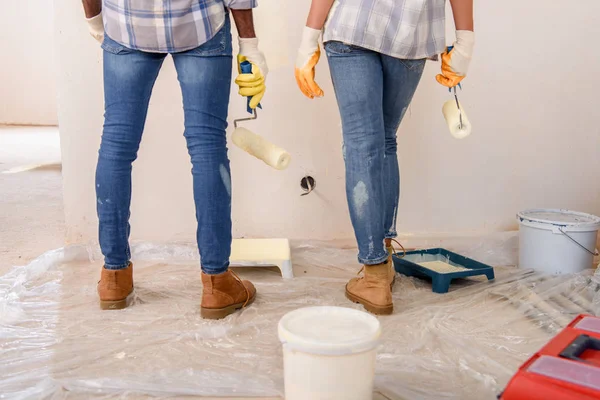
(254, 144)
(459, 125)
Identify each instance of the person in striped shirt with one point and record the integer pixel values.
(377, 51)
(137, 36)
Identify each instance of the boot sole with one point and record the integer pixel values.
(220, 313)
(117, 304)
(370, 307)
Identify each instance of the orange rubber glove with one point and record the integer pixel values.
(455, 63)
(308, 57)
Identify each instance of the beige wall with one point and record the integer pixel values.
(27, 74)
(531, 97)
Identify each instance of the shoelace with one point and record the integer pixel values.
(394, 250)
(245, 288)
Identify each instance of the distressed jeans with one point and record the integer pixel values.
(373, 92)
(204, 75)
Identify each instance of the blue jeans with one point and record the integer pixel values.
(373, 92)
(204, 75)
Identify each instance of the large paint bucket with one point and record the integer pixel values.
(557, 241)
(329, 353)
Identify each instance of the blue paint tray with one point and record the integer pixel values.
(441, 266)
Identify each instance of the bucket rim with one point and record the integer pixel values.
(333, 347)
(592, 222)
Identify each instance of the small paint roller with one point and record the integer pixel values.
(254, 144)
(456, 118)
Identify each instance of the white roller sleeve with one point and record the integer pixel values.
(260, 148)
(452, 115)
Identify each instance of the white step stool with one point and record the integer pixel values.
(262, 253)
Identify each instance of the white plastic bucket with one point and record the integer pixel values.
(557, 241)
(329, 353)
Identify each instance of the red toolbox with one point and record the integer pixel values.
(567, 368)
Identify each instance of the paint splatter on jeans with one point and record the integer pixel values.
(373, 93)
(204, 75)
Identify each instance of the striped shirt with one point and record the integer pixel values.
(166, 26)
(407, 29)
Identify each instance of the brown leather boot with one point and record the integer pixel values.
(373, 290)
(224, 294)
(115, 288)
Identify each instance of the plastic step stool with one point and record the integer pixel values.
(262, 253)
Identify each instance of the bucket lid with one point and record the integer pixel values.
(329, 330)
(569, 220)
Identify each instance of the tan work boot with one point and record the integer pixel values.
(115, 288)
(224, 294)
(373, 290)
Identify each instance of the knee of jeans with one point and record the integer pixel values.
(118, 150)
(203, 142)
(391, 145)
(120, 141)
(367, 142)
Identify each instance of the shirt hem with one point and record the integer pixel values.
(166, 51)
(428, 56)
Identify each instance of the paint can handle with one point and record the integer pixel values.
(594, 253)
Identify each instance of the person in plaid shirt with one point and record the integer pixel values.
(377, 51)
(137, 36)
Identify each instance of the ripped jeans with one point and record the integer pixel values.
(373, 92)
(204, 75)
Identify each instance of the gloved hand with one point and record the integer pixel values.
(252, 85)
(308, 57)
(456, 62)
(96, 27)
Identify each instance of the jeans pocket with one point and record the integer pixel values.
(335, 48)
(414, 65)
(113, 47)
(219, 45)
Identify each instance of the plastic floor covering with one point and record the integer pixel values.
(55, 342)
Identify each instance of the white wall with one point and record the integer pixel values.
(27, 74)
(531, 96)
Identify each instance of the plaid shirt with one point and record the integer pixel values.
(407, 29)
(166, 26)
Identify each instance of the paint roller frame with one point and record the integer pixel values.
(252, 118)
(458, 105)
(449, 49)
(246, 68)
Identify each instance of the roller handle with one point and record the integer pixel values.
(449, 48)
(246, 68)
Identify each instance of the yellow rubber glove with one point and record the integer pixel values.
(455, 63)
(308, 57)
(252, 85)
(96, 27)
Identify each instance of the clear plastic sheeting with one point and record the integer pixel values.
(55, 342)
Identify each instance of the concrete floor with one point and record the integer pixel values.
(31, 207)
